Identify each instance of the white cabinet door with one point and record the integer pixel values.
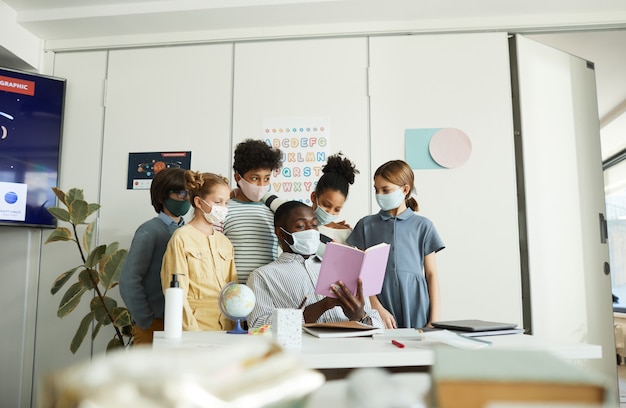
(162, 99)
(462, 82)
(557, 118)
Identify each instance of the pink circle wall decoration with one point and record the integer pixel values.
(450, 147)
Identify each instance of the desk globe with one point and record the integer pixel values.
(236, 302)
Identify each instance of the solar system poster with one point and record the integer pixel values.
(143, 166)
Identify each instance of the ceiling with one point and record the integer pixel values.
(591, 29)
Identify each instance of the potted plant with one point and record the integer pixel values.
(98, 272)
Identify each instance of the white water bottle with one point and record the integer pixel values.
(173, 325)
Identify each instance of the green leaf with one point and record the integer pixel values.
(78, 211)
(62, 280)
(96, 330)
(95, 256)
(111, 268)
(71, 299)
(73, 195)
(92, 208)
(99, 311)
(59, 213)
(114, 344)
(121, 317)
(59, 234)
(81, 332)
(88, 235)
(60, 195)
(111, 248)
(88, 278)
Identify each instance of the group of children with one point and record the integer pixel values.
(205, 259)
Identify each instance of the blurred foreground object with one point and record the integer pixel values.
(257, 374)
(476, 378)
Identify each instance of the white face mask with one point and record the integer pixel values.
(323, 216)
(252, 191)
(304, 242)
(390, 201)
(217, 215)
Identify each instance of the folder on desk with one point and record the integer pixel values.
(340, 329)
(473, 326)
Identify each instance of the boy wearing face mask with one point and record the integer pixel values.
(140, 280)
(249, 224)
(201, 257)
(291, 279)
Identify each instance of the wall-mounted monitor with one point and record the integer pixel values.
(31, 120)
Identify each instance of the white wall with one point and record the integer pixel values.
(17, 40)
(206, 98)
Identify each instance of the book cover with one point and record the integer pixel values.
(474, 378)
(345, 263)
(340, 329)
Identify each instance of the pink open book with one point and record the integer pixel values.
(345, 263)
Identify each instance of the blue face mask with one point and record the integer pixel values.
(323, 217)
(390, 201)
(304, 242)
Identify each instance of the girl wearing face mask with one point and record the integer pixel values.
(410, 293)
(329, 197)
(200, 256)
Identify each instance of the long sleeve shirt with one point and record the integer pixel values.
(285, 282)
(140, 278)
(203, 265)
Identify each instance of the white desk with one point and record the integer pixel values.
(366, 352)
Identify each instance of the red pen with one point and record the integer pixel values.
(397, 344)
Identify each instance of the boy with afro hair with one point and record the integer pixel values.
(250, 223)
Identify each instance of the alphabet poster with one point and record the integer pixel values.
(304, 143)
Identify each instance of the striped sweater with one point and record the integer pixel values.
(250, 228)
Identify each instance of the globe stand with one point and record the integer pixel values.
(236, 301)
(238, 329)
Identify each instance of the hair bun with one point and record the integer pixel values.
(341, 165)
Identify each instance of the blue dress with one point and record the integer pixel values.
(412, 237)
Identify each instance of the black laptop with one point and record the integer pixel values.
(473, 325)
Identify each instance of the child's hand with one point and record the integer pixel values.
(339, 225)
(388, 319)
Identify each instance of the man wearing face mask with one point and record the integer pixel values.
(249, 223)
(290, 280)
(140, 279)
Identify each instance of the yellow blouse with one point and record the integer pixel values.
(203, 265)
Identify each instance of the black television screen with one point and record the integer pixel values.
(31, 118)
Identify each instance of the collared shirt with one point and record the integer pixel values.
(203, 265)
(171, 224)
(285, 282)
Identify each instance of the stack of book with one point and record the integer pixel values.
(477, 378)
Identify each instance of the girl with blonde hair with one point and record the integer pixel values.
(200, 256)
